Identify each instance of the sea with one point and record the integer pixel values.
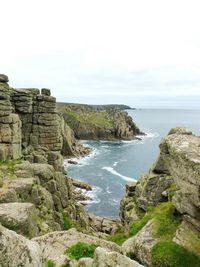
(112, 164)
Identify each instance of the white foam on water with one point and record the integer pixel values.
(107, 190)
(93, 194)
(111, 170)
(115, 163)
(82, 161)
(114, 202)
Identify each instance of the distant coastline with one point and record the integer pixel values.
(99, 107)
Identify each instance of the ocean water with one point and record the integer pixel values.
(112, 164)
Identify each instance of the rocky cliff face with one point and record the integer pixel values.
(174, 178)
(32, 182)
(31, 127)
(91, 124)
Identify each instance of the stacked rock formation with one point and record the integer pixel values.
(10, 124)
(41, 125)
(31, 127)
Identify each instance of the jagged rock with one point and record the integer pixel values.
(104, 258)
(54, 244)
(150, 188)
(81, 184)
(104, 225)
(141, 244)
(19, 216)
(16, 250)
(179, 156)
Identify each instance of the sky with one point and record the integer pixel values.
(143, 53)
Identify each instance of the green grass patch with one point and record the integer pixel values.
(67, 222)
(50, 263)
(81, 250)
(118, 238)
(87, 116)
(170, 254)
(166, 221)
(171, 191)
(139, 224)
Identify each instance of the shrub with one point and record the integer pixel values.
(170, 254)
(81, 250)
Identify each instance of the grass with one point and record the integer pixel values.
(171, 192)
(50, 263)
(67, 223)
(166, 222)
(118, 238)
(170, 254)
(81, 250)
(87, 116)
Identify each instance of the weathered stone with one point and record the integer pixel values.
(45, 91)
(54, 244)
(19, 216)
(16, 250)
(3, 78)
(188, 236)
(141, 244)
(104, 258)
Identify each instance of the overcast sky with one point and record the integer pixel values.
(144, 53)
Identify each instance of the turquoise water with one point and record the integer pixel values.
(112, 164)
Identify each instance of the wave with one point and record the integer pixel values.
(107, 190)
(93, 194)
(82, 161)
(111, 170)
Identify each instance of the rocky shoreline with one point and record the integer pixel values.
(41, 217)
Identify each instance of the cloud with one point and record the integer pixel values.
(104, 51)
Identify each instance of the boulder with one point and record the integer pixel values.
(16, 250)
(104, 258)
(20, 217)
(141, 244)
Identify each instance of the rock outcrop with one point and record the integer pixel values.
(91, 124)
(10, 125)
(31, 127)
(175, 178)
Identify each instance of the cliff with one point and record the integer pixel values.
(88, 123)
(162, 210)
(31, 127)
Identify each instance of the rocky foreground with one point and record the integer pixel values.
(42, 223)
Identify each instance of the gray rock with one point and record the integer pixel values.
(54, 244)
(19, 216)
(3, 78)
(104, 258)
(16, 250)
(45, 91)
(141, 244)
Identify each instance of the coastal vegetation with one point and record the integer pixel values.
(81, 250)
